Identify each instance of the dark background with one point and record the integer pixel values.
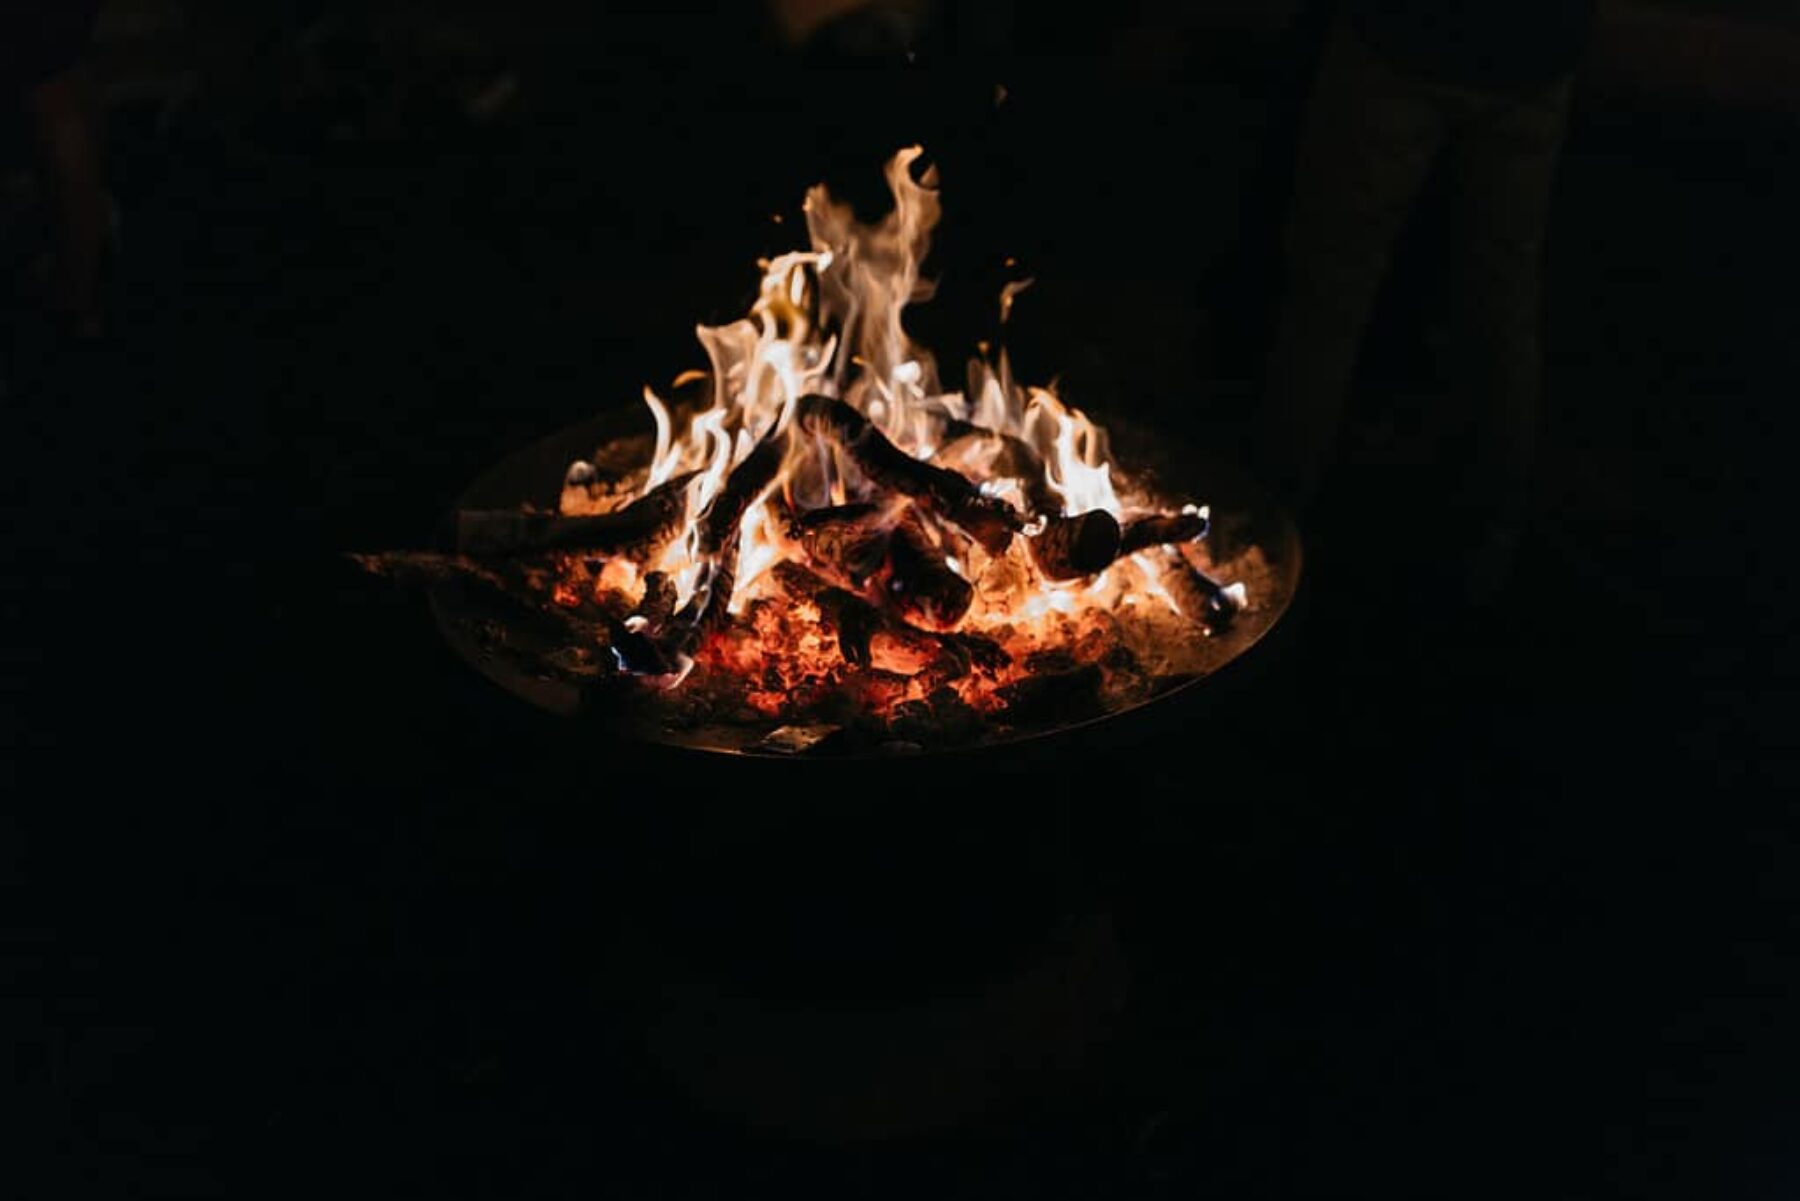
(1430, 904)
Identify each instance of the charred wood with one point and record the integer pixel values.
(635, 531)
(657, 606)
(425, 567)
(708, 608)
(989, 521)
(856, 624)
(1160, 529)
(1072, 547)
(745, 483)
(1201, 598)
(921, 585)
(846, 540)
(1012, 458)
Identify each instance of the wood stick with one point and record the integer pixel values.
(1013, 458)
(545, 629)
(658, 602)
(709, 606)
(532, 633)
(1088, 543)
(1160, 529)
(983, 651)
(856, 622)
(635, 531)
(1072, 547)
(745, 483)
(846, 540)
(989, 521)
(425, 567)
(922, 586)
(1016, 459)
(1069, 547)
(1202, 599)
(640, 654)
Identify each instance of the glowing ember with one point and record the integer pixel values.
(829, 536)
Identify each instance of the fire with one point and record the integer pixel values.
(1001, 542)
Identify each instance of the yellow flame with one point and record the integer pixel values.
(827, 319)
(760, 547)
(1075, 462)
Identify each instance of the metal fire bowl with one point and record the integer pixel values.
(1243, 514)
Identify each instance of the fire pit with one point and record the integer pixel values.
(817, 548)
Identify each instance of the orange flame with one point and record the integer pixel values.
(828, 320)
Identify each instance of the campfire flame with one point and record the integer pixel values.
(827, 323)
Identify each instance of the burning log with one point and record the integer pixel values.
(1160, 529)
(1072, 547)
(857, 623)
(745, 483)
(922, 586)
(658, 603)
(800, 581)
(707, 608)
(989, 521)
(983, 651)
(846, 540)
(1201, 598)
(616, 470)
(1069, 547)
(636, 531)
(1088, 543)
(549, 633)
(1013, 458)
(551, 637)
(638, 654)
(425, 567)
